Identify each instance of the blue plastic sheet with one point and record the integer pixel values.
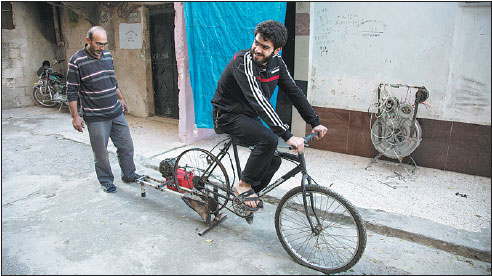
(215, 32)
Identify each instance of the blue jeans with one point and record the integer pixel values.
(119, 131)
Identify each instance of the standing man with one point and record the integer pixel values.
(91, 80)
(243, 94)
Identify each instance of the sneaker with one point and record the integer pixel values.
(131, 179)
(108, 188)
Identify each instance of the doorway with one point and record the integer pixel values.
(163, 58)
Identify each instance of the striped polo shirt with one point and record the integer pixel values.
(93, 81)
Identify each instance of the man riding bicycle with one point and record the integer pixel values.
(242, 95)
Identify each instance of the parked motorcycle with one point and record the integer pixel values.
(51, 88)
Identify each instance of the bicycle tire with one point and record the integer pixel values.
(326, 251)
(43, 98)
(213, 183)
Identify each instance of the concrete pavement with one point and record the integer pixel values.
(443, 210)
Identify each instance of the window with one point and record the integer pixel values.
(7, 22)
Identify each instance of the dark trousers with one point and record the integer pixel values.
(118, 130)
(247, 131)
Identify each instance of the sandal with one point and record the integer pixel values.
(109, 187)
(243, 197)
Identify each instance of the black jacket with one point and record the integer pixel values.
(246, 87)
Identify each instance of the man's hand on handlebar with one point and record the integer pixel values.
(321, 130)
(296, 143)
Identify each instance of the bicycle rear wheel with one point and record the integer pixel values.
(339, 238)
(207, 174)
(43, 96)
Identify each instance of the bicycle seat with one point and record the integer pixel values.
(58, 75)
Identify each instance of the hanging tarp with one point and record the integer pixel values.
(215, 32)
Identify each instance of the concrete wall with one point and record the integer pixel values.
(301, 60)
(444, 46)
(23, 51)
(352, 47)
(132, 66)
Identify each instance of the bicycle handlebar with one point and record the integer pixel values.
(307, 139)
(310, 137)
(58, 61)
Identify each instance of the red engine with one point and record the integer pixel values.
(184, 180)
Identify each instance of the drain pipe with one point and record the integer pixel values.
(56, 22)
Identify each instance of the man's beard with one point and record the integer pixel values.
(265, 60)
(94, 52)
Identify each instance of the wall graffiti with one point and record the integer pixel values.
(331, 25)
(470, 96)
(354, 46)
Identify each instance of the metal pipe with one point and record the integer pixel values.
(56, 22)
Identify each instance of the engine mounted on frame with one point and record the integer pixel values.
(166, 167)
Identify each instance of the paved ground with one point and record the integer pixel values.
(443, 211)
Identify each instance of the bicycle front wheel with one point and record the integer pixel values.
(339, 238)
(43, 96)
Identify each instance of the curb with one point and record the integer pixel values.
(473, 245)
(475, 249)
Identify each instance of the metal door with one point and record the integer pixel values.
(164, 67)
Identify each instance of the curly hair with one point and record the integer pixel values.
(274, 31)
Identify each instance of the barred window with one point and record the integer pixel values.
(7, 22)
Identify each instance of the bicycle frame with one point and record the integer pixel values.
(297, 159)
(211, 191)
(300, 167)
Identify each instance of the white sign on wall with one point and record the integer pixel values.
(131, 36)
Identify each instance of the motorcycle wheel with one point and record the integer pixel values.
(43, 96)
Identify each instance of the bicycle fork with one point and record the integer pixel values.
(316, 229)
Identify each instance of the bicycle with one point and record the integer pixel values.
(316, 226)
(51, 89)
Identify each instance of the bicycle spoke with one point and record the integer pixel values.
(334, 244)
(207, 175)
(299, 218)
(334, 250)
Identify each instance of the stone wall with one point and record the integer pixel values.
(133, 66)
(23, 50)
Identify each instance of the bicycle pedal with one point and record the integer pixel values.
(249, 219)
(239, 208)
